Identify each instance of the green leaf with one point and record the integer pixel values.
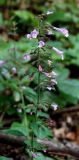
(42, 114)
(69, 87)
(25, 15)
(62, 73)
(25, 80)
(41, 131)
(44, 132)
(30, 94)
(1, 19)
(25, 122)
(5, 158)
(20, 127)
(60, 16)
(26, 45)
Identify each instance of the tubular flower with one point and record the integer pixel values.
(41, 44)
(29, 36)
(58, 52)
(50, 74)
(40, 68)
(64, 31)
(27, 57)
(33, 34)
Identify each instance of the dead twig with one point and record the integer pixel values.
(12, 139)
(67, 110)
(64, 149)
(69, 149)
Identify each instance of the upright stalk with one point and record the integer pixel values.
(38, 91)
(38, 98)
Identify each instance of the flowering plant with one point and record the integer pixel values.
(29, 81)
(46, 77)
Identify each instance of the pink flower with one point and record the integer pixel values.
(29, 36)
(27, 57)
(58, 52)
(44, 151)
(41, 44)
(64, 31)
(40, 68)
(2, 63)
(33, 34)
(34, 155)
(30, 113)
(49, 33)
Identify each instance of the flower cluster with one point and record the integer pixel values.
(52, 79)
(51, 75)
(41, 43)
(33, 34)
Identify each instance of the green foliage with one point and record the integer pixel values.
(5, 158)
(21, 128)
(67, 87)
(24, 15)
(72, 56)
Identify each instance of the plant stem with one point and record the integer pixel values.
(38, 63)
(38, 91)
(38, 98)
(38, 101)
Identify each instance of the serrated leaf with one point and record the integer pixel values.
(42, 114)
(22, 128)
(30, 94)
